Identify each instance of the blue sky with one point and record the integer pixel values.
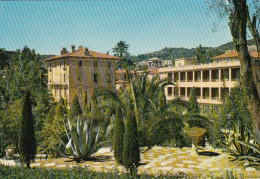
(146, 25)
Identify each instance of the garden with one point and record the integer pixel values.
(132, 133)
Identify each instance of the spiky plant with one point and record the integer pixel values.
(82, 143)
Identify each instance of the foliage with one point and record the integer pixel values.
(27, 141)
(255, 146)
(194, 106)
(75, 108)
(237, 122)
(131, 151)
(23, 69)
(119, 137)
(121, 51)
(202, 56)
(82, 142)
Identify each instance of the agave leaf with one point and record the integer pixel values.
(256, 135)
(252, 146)
(248, 158)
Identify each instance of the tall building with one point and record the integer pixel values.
(210, 80)
(80, 72)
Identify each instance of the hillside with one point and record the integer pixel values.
(175, 53)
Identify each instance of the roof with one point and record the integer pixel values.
(80, 53)
(124, 71)
(121, 81)
(154, 59)
(153, 71)
(233, 54)
(187, 58)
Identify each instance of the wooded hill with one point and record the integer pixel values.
(175, 53)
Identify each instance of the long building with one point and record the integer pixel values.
(80, 72)
(210, 80)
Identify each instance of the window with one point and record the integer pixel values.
(64, 77)
(50, 67)
(65, 92)
(95, 64)
(169, 91)
(79, 78)
(80, 63)
(109, 78)
(64, 66)
(95, 78)
(108, 64)
(60, 64)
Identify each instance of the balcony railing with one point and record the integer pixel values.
(205, 80)
(214, 80)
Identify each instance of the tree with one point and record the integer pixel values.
(238, 13)
(75, 107)
(131, 151)
(194, 106)
(27, 135)
(119, 137)
(121, 51)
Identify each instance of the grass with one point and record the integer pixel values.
(80, 172)
(75, 172)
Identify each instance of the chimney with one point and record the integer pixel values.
(72, 48)
(80, 47)
(63, 51)
(86, 52)
(107, 52)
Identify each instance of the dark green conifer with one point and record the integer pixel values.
(62, 108)
(194, 106)
(119, 137)
(27, 141)
(131, 151)
(75, 107)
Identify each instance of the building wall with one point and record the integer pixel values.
(210, 80)
(79, 77)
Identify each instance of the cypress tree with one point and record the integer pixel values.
(119, 137)
(194, 106)
(131, 152)
(62, 108)
(27, 141)
(75, 107)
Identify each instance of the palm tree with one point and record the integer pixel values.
(121, 51)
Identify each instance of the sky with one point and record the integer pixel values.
(146, 25)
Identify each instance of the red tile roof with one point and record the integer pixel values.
(124, 71)
(233, 54)
(80, 53)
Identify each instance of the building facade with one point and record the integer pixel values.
(210, 80)
(80, 72)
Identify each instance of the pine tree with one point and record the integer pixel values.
(131, 152)
(27, 141)
(119, 137)
(75, 107)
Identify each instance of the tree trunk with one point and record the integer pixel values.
(238, 25)
(256, 63)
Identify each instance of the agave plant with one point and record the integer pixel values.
(255, 146)
(81, 143)
(233, 143)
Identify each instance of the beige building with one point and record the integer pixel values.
(80, 72)
(210, 80)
